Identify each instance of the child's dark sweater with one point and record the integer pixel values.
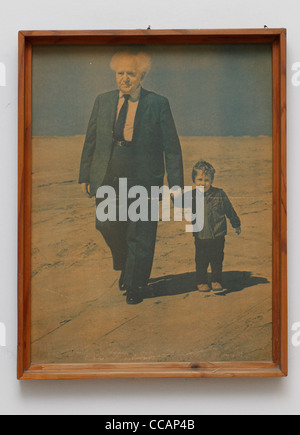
(217, 207)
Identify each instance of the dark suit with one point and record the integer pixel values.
(156, 147)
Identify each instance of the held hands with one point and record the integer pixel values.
(85, 187)
(238, 230)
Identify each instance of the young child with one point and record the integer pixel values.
(210, 242)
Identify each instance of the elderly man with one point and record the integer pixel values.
(131, 134)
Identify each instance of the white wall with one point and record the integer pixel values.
(171, 396)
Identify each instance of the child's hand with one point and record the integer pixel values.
(238, 231)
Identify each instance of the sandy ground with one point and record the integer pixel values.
(78, 313)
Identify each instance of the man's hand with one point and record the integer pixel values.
(238, 231)
(85, 187)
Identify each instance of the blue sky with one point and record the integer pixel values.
(214, 90)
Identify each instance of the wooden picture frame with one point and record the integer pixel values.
(277, 366)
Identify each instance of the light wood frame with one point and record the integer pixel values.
(276, 368)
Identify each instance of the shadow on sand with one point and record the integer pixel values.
(233, 281)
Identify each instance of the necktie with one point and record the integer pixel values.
(120, 123)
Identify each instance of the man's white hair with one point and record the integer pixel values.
(143, 61)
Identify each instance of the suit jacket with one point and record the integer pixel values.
(155, 139)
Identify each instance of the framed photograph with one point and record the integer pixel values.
(152, 204)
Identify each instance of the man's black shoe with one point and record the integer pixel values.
(133, 298)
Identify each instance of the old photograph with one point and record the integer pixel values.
(119, 134)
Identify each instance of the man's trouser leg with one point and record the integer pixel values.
(114, 234)
(141, 237)
(132, 245)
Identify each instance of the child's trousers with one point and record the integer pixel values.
(209, 251)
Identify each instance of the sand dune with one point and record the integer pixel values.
(78, 313)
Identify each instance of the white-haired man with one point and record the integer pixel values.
(131, 134)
